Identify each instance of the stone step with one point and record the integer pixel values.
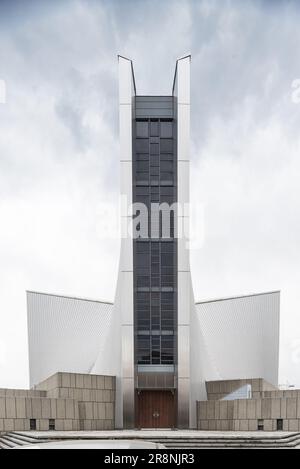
(25, 438)
(3, 444)
(232, 443)
(6, 442)
(246, 442)
(192, 440)
(229, 438)
(10, 441)
(15, 440)
(192, 443)
(172, 442)
(228, 445)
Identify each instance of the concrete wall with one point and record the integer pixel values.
(21, 393)
(280, 394)
(248, 412)
(244, 414)
(215, 415)
(16, 412)
(95, 396)
(217, 390)
(74, 401)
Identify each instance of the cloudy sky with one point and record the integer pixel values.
(59, 149)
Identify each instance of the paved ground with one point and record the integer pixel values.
(128, 434)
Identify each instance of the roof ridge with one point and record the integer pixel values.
(70, 297)
(236, 297)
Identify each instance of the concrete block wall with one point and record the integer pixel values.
(16, 412)
(269, 410)
(21, 393)
(74, 401)
(217, 390)
(95, 396)
(280, 394)
(245, 414)
(215, 415)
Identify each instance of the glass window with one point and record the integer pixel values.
(51, 425)
(166, 165)
(167, 259)
(167, 341)
(167, 281)
(155, 261)
(142, 145)
(167, 247)
(155, 280)
(142, 247)
(154, 181)
(166, 129)
(167, 297)
(166, 175)
(143, 281)
(154, 128)
(166, 145)
(167, 191)
(279, 425)
(167, 354)
(154, 170)
(167, 270)
(142, 270)
(155, 321)
(142, 129)
(166, 157)
(154, 149)
(154, 161)
(167, 195)
(166, 178)
(144, 341)
(155, 299)
(143, 303)
(142, 178)
(154, 190)
(154, 195)
(144, 356)
(143, 260)
(155, 268)
(142, 157)
(260, 425)
(142, 191)
(32, 424)
(142, 166)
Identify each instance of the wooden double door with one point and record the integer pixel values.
(156, 409)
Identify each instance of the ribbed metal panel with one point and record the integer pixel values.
(65, 334)
(241, 337)
(156, 381)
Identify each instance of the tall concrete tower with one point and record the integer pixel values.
(154, 288)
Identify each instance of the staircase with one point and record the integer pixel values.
(14, 439)
(171, 441)
(290, 442)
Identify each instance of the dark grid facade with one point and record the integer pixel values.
(155, 259)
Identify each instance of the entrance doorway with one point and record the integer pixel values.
(156, 409)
